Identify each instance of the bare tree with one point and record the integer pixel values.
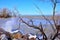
(5, 13)
(40, 28)
(55, 24)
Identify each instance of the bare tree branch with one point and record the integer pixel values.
(33, 26)
(54, 8)
(44, 16)
(30, 25)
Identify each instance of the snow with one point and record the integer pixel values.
(3, 37)
(10, 24)
(15, 31)
(40, 36)
(32, 36)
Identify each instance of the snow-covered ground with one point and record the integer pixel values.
(9, 24)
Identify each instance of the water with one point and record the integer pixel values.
(10, 24)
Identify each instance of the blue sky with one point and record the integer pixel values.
(26, 7)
